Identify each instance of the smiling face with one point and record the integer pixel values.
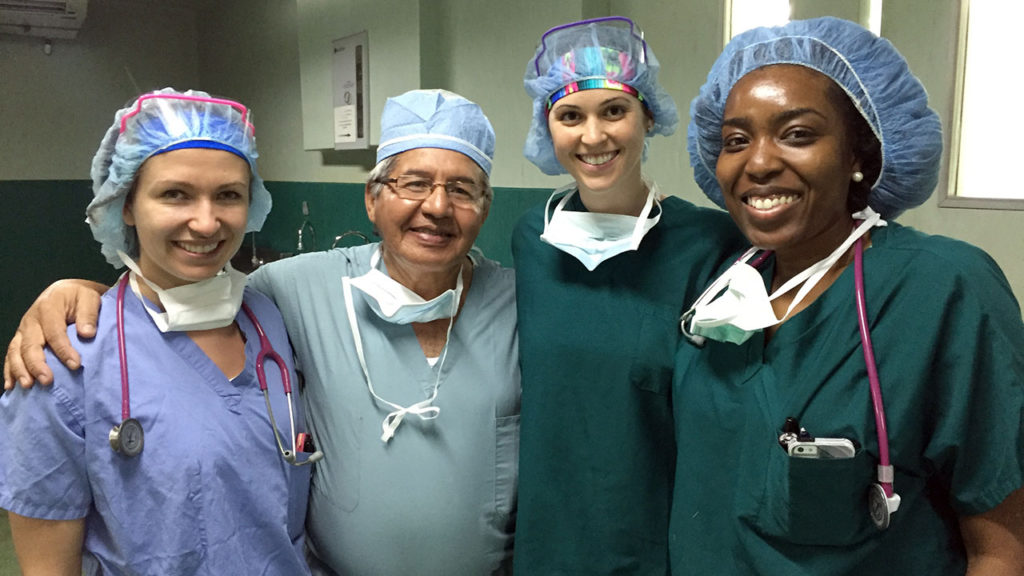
(786, 162)
(189, 208)
(598, 136)
(430, 236)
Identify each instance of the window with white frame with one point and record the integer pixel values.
(979, 151)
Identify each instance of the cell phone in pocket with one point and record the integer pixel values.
(823, 448)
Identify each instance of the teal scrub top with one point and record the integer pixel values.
(949, 346)
(439, 498)
(597, 451)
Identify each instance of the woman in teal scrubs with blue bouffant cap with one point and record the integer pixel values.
(811, 441)
(603, 271)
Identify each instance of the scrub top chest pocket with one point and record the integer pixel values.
(816, 501)
(807, 490)
(812, 501)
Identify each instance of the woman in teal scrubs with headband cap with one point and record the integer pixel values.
(603, 271)
(826, 428)
(160, 454)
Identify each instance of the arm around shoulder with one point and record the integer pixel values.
(45, 324)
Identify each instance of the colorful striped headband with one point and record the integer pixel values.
(591, 84)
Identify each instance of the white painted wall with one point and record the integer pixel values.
(55, 109)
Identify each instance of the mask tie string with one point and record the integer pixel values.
(424, 409)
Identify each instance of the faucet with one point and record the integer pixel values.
(340, 237)
(306, 224)
(256, 261)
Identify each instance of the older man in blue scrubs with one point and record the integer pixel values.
(410, 357)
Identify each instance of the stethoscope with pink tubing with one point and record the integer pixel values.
(127, 438)
(883, 500)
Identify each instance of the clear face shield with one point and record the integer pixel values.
(160, 121)
(600, 53)
(610, 49)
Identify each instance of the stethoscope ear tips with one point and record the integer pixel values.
(881, 506)
(290, 457)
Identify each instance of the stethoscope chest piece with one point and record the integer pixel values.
(127, 438)
(881, 506)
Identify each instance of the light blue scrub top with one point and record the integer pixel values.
(210, 492)
(440, 497)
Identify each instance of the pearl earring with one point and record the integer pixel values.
(857, 176)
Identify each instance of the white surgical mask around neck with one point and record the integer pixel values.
(395, 303)
(593, 237)
(204, 305)
(737, 304)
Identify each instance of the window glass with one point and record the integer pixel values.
(978, 168)
(743, 15)
(747, 14)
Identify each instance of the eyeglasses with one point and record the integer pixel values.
(412, 187)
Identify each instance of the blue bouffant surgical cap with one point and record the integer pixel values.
(599, 53)
(436, 119)
(155, 123)
(868, 69)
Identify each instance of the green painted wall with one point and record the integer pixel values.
(46, 238)
(338, 208)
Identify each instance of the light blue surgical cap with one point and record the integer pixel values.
(436, 119)
(871, 72)
(159, 122)
(588, 54)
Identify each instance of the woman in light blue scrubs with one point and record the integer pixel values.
(158, 455)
